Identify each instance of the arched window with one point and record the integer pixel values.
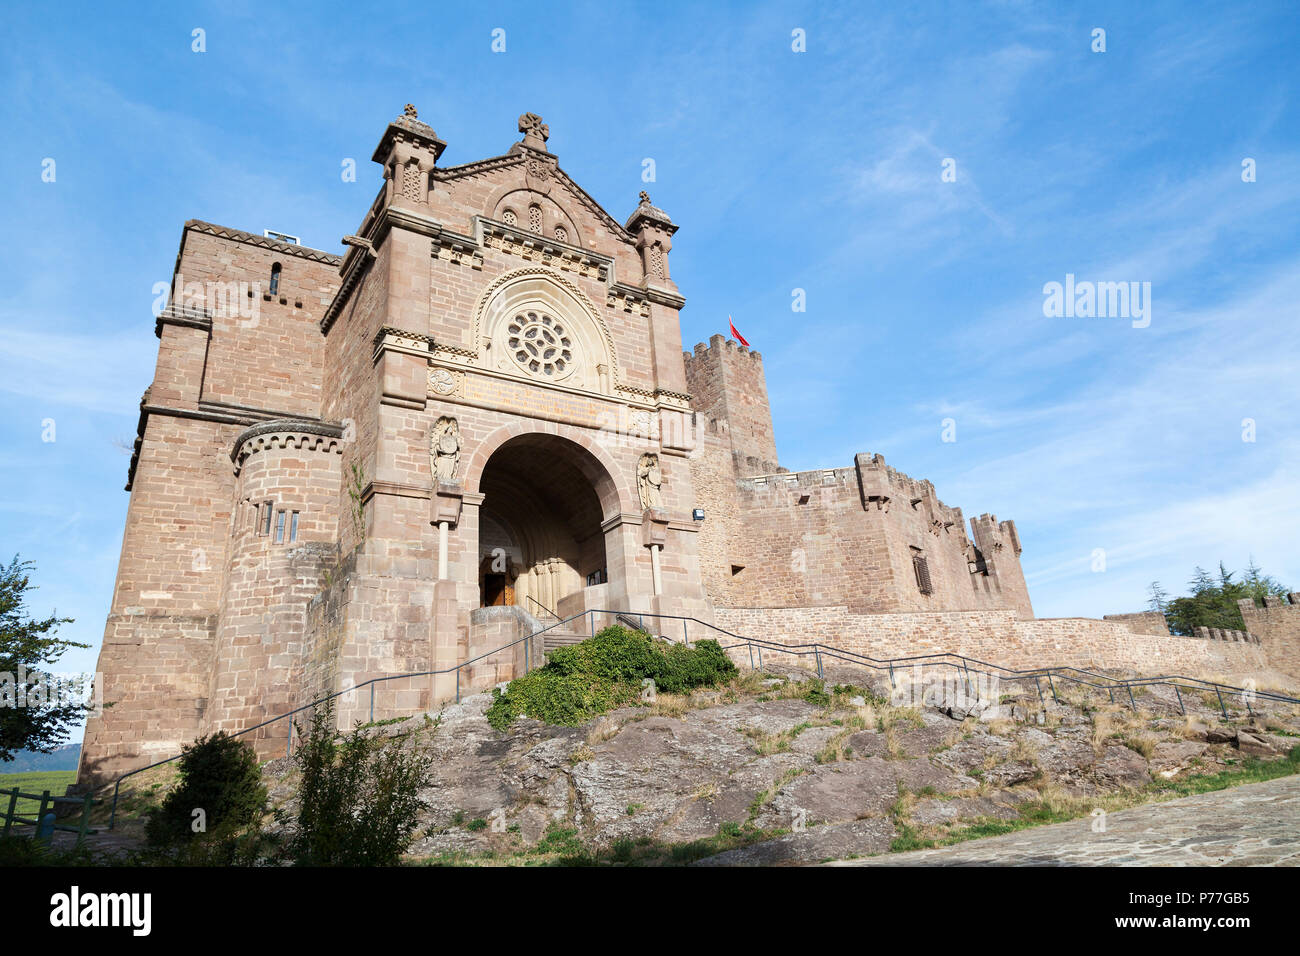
(535, 218)
(275, 278)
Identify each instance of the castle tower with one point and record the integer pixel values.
(727, 384)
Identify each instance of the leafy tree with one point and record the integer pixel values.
(29, 720)
(219, 775)
(1213, 598)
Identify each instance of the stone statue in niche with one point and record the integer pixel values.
(649, 480)
(444, 449)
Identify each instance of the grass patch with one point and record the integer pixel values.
(35, 781)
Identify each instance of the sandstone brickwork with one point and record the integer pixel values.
(478, 417)
(342, 457)
(868, 537)
(1143, 622)
(1276, 626)
(1002, 637)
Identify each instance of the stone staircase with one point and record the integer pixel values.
(557, 638)
(561, 638)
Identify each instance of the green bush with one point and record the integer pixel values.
(358, 799)
(218, 775)
(601, 673)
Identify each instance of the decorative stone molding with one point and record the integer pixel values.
(443, 381)
(654, 527)
(571, 305)
(184, 316)
(530, 246)
(400, 340)
(445, 503)
(457, 250)
(286, 433)
(557, 178)
(628, 299)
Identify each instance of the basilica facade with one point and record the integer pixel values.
(476, 421)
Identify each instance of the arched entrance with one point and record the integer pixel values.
(540, 536)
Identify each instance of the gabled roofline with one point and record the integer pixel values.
(520, 155)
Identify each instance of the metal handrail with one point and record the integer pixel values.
(542, 606)
(816, 649)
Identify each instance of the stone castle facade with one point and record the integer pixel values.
(475, 421)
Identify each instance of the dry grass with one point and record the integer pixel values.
(766, 744)
(706, 791)
(893, 746)
(1143, 743)
(671, 705)
(999, 727)
(582, 753)
(1192, 728)
(835, 751)
(1022, 751)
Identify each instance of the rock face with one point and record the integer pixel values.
(803, 779)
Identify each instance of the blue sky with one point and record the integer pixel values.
(817, 170)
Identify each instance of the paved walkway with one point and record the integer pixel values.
(1257, 824)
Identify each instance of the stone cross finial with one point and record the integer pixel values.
(536, 133)
(645, 197)
(410, 111)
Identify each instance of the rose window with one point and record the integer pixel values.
(540, 344)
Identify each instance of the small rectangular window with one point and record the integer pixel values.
(293, 527)
(922, 569)
(267, 508)
(279, 527)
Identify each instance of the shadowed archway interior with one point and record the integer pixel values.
(539, 530)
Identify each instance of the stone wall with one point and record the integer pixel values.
(846, 535)
(868, 536)
(1000, 637)
(1142, 622)
(1277, 625)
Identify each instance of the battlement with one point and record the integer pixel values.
(1277, 625)
(1221, 634)
(1289, 601)
(717, 345)
(729, 391)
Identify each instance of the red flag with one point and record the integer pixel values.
(739, 338)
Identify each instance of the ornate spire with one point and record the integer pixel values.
(409, 128)
(645, 210)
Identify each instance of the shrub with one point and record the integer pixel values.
(218, 775)
(359, 796)
(583, 680)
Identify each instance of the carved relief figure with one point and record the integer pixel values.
(649, 480)
(444, 448)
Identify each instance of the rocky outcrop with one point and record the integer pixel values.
(799, 771)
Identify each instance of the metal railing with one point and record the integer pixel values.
(45, 820)
(756, 647)
(534, 600)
